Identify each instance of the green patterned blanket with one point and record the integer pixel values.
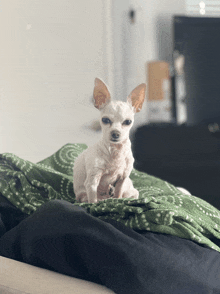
(161, 207)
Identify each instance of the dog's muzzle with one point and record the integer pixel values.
(115, 136)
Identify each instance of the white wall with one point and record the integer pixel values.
(50, 53)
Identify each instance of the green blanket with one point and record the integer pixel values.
(161, 207)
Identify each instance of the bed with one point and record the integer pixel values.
(163, 242)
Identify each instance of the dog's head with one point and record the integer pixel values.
(117, 117)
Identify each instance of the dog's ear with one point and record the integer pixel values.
(137, 96)
(101, 94)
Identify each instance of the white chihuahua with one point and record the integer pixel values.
(102, 171)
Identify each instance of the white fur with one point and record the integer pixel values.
(103, 170)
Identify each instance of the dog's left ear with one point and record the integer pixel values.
(101, 94)
(137, 96)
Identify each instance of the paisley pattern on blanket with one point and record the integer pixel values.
(161, 207)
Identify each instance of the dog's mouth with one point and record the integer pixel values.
(115, 140)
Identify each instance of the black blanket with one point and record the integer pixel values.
(65, 238)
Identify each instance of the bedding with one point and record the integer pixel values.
(164, 242)
(64, 238)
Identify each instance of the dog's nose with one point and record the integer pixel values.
(115, 135)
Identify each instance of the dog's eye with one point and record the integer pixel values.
(127, 122)
(106, 120)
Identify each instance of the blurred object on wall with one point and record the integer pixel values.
(180, 90)
(159, 104)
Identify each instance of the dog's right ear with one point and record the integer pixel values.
(101, 94)
(137, 96)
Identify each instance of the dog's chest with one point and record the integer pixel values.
(114, 168)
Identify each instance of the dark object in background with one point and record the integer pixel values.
(198, 40)
(185, 156)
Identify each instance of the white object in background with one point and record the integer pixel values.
(181, 107)
(159, 92)
(203, 8)
(160, 110)
(184, 191)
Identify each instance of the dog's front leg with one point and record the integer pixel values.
(91, 185)
(124, 187)
(119, 188)
(129, 166)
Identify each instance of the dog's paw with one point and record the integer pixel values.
(131, 194)
(93, 200)
(111, 191)
(82, 197)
